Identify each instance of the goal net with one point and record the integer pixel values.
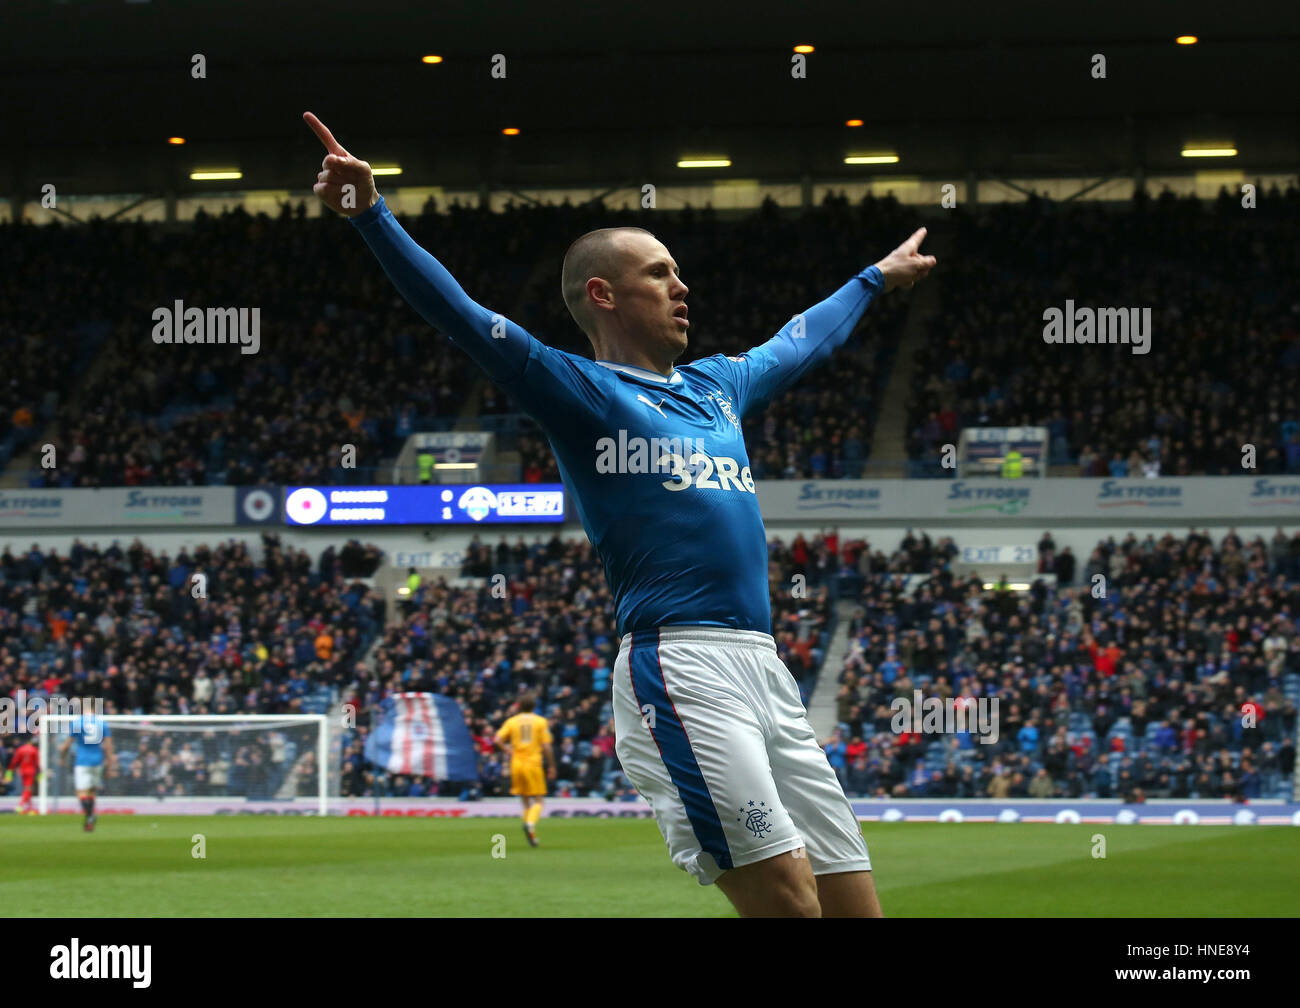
(250, 757)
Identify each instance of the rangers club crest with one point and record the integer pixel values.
(724, 404)
(755, 819)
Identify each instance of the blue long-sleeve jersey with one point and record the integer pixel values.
(656, 466)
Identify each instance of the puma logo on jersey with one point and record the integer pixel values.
(653, 406)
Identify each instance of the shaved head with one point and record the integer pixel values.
(595, 254)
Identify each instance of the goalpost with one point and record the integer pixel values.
(230, 756)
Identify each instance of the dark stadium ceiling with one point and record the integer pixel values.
(613, 93)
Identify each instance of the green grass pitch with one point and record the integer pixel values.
(139, 866)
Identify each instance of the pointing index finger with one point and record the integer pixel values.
(324, 135)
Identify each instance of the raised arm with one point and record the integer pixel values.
(339, 171)
(347, 186)
(904, 266)
(810, 338)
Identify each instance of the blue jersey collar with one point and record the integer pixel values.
(637, 372)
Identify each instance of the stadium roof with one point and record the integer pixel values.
(618, 92)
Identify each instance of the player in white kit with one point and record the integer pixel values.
(713, 734)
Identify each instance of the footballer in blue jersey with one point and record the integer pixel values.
(709, 724)
(91, 734)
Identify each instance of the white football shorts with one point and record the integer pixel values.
(87, 778)
(711, 731)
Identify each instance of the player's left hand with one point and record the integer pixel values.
(905, 265)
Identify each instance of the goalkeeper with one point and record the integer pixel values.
(27, 761)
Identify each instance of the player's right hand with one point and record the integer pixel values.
(339, 171)
(906, 265)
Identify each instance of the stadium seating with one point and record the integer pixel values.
(554, 634)
(1199, 694)
(1223, 363)
(341, 358)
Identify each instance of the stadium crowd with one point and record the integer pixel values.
(1181, 681)
(342, 360)
(1224, 354)
(140, 630)
(282, 635)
